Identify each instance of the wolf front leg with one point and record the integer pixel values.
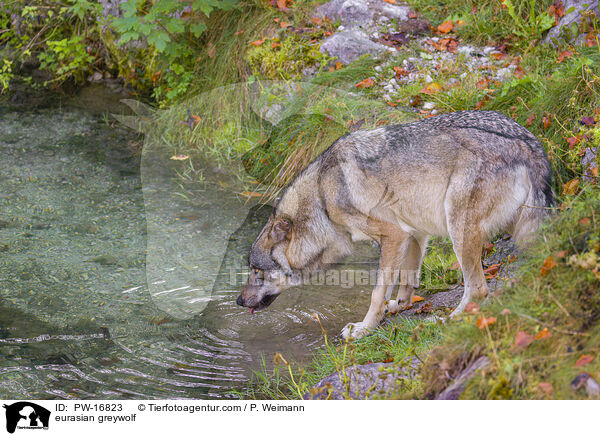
(387, 276)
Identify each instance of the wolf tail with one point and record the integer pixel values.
(537, 206)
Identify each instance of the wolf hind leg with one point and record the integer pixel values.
(467, 241)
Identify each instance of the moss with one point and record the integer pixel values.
(290, 57)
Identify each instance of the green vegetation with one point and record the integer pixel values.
(190, 58)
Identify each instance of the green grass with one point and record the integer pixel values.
(401, 340)
(565, 301)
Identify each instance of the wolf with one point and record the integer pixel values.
(463, 175)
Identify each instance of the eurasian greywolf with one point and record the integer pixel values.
(464, 175)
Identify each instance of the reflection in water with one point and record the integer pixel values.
(79, 316)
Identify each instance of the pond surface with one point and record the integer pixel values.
(87, 258)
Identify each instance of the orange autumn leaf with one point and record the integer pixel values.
(522, 340)
(519, 72)
(445, 27)
(275, 44)
(483, 83)
(401, 72)
(258, 42)
(338, 65)
(482, 322)
(472, 307)
(392, 2)
(591, 39)
(491, 271)
(548, 264)
(282, 5)
(546, 388)
(284, 24)
(543, 334)
(317, 21)
(367, 83)
(250, 194)
(505, 312)
(432, 88)
(571, 187)
(565, 54)
(412, 15)
(179, 157)
(530, 120)
(584, 360)
(546, 121)
(416, 299)
(573, 141)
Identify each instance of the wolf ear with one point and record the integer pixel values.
(281, 229)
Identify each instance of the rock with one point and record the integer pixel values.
(567, 26)
(349, 45)
(363, 381)
(361, 12)
(428, 105)
(378, 69)
(459, 384)
(96, 77)
(588, 161)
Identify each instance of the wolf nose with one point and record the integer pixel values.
(240, 300)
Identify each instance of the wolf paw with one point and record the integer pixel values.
(355, 330)
(393, 307)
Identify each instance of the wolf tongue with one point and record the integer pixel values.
(251, 311)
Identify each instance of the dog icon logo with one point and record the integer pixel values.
(26, 415)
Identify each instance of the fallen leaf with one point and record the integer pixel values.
(179, 157)
(492, 271)
(505, 312)
(239, 32)
(519, 72)
(432, 88)
(416, 299)
(557, 10)
(445, 27)
(415, 101)
(250, 194)
(560, 254)
(584, 222)
(392, 2)
(284, 24)
(482, 322)
(546, 121)
(584, 360)
(401, 72)
(530, 120)
(565, 54)
(388, 360)
(211, 49)
(522, 340)
(591, 39)
(546, 388)
(412, 15)
(317, 21)
(282, 5)
(543, 334)
(548, 264)
(275, 44)
(472, 307)
(588, 121)
(258, 42)
(367, 83)
(483, 83)
(338, 65)
(571, 187)
(573, 141)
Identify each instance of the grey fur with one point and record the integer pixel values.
(465, 175)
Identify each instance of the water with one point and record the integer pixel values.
(103, 277)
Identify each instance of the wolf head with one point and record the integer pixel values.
(270, 271)
(298, 238)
